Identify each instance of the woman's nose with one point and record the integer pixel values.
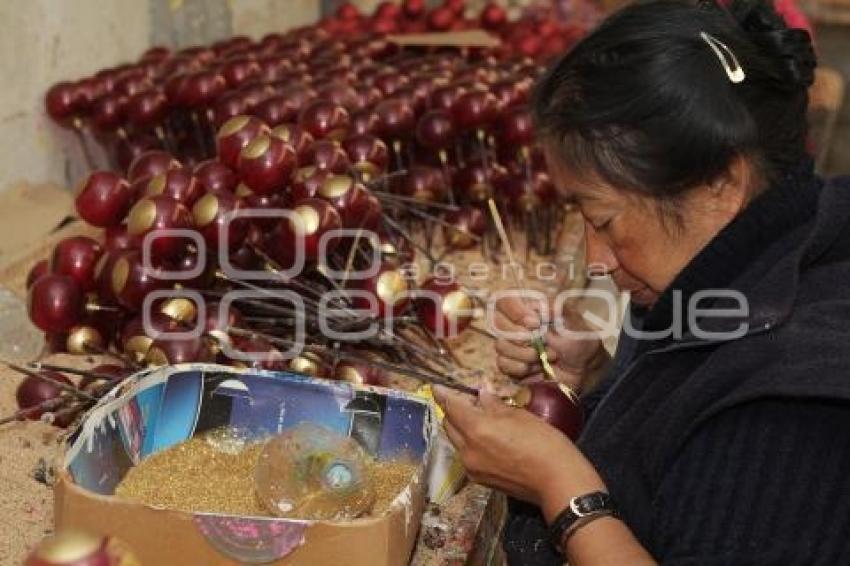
(599, 256)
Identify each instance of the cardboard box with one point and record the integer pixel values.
(159, 408)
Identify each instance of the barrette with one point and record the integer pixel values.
(735, 72)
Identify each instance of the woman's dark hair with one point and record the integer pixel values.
(645, 103)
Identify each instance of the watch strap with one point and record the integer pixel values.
(581, 510)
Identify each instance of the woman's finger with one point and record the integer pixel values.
(458, 407)
(509, 350)
(513, 368)
(514, 308)
(454, 435)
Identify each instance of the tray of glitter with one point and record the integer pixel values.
(213, 413)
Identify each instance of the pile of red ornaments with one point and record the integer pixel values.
(235, 166)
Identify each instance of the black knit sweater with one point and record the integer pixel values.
(737, 451)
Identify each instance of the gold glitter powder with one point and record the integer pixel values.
(197, 476)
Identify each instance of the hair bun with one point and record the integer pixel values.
(768, 31)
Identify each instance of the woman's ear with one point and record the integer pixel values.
(732, 190)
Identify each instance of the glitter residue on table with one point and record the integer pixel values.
(197, 476)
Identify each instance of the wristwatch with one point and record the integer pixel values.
(581, 511)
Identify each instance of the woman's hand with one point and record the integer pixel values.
(573, 358)
(516, 452)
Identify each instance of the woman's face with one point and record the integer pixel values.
(628, 237)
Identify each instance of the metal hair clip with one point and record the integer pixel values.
(735, 72)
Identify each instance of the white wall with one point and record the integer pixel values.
(45, 41)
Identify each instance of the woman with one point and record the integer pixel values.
(721, 429)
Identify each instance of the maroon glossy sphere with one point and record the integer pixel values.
(215, 176)
(341, 94)
(218, 321)
(396, 119)
(435, 130)
(307, 182)
(135, 341)
(324, 119)
(201, 89)
(61, 101)
(276, 110)
(326, 155)
(445, 97)
(56, 303)
(238, 71)
(389, 82)
(441, 19)
(312, 219)
(151, 163)
(548, 401)
(146, 109)
(33, 391)
(368, 155)
(266, 164)
(213, 214)
(388, 288)
(77, 257)
(38, 270)
(129, 148)
(116, 239)
(109, 112)
(413, 9)
(475, 110)
(423, 183)
(363, 122)
(177, 184)
(348, 197)
(468, 224)
(360, 373)
(103, 199)
(152, 214)
(170, 351)
(493, 17)
(516, 128)
(229, 105)
(443, 307)
(234, 135)
(474, 181)
(131, 282)
(297, 137)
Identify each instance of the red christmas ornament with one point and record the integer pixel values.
(324, 119)
(109, 112)
(435, 130)
(516, 128)
(307, 182)
(326, 155)
(75, 548)
(555, 405)
(229, 105)
(468, 225)
(475, 110)
(177, 184)
(441, 19)
(493, 17)
(234, 135)
(389, 289)
(151, 163)
(77, 257)
(211, 214)
(56, 303)
(103, 199)
(443, 307)
(348, 197)
(311, 220)
(240, 70)
(33, 391)
(153, 214)
(266, 164)
(423, 183)
(297, 137)
(396, 119)
(368, 155)
(215, 177)
(38, 270)
(130, 281)
(167, 350)
(116, 239)
(146, 109)
(360, 373)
